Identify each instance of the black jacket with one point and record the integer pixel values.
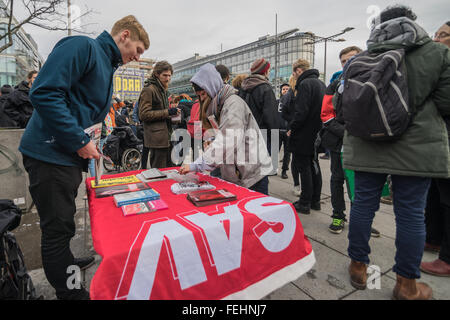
(332, 134)
(18, 105)
(288, 107)
(262, 102)
(5, 120)
(308, 104)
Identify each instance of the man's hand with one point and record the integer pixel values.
(89, 151)
(184, 169)
(288, 133)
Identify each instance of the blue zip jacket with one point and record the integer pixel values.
(72, 92)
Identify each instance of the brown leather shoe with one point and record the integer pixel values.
(431, 247)
(409, 289)
(358, 274)
(436, 268)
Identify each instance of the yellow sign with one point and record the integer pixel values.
(115, 181)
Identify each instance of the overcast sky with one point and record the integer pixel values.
(180, 28)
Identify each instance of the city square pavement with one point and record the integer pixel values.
(327, 280)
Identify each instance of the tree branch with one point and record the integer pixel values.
(42, 14)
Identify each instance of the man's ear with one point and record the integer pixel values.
(125, 35)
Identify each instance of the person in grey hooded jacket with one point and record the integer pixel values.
(236, 144)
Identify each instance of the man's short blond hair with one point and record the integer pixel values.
(136, 29)
(302, 64)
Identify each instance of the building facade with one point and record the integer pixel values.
(281, 51)
(19, 59)
(129, 79)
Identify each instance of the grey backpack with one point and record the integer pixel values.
(375, 96)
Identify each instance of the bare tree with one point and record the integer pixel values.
(47, 14)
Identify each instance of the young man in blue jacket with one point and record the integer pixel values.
(71, 93)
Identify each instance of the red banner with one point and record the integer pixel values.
(243, 249)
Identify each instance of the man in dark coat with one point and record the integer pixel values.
(55, 146)
(437, 211)
(156, 116)
(18, 105)
(284, 89)
(303, 132)
(259, 96)
(5, 120)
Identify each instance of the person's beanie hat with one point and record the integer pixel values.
(260, 66)
(6, 89)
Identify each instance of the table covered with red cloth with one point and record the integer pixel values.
(243, 249)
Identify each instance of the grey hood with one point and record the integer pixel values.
(397, 33)
(208, 79)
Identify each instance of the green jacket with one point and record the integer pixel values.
(423, 150)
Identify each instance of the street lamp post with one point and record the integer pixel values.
(325, 41)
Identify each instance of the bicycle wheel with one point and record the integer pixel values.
(131, 159)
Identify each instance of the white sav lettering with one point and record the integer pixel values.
(226, 251)
(188, 262)
(271, 240)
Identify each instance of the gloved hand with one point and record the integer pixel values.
(173, 111)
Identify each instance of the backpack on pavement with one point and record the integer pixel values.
(15, 282)
(375, 96)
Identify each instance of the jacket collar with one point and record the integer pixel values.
(311, 73)
(108, 45)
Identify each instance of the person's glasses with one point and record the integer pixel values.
(441, 35)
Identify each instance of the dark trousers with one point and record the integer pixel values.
(262, 186)
(437, 217)
(145, 152)
(53, 189)
(337, 185)
(295, 172)
(160, 158)
(410, 194)
(310, 177)
(286, 154)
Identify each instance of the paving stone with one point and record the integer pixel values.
(287, 292)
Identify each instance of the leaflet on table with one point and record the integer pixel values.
(124, 188)
(136, 197)
(144, 207)
(115, 181)
(95, 132)
(153, 173)
(206, 198)
(185, 187)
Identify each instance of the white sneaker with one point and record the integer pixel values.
(297, 191)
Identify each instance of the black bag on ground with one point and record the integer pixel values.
(375, 97)
(15, 282)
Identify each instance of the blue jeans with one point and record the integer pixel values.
(409, 196)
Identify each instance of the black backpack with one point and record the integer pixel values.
(375, 97)
(15, 282)
(247, 96)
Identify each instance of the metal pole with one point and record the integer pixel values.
(69, 18)
(325, 63)
(276, 52)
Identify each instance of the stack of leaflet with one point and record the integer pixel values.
(136, 197)
(185, 187)
(143, 207)
(206, 198)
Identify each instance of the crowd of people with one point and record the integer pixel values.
(310, 118)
